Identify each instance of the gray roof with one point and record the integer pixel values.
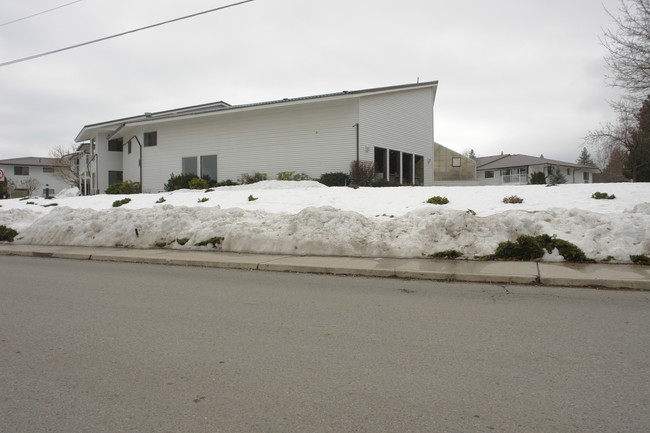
(31, 160)
(221, 106)
(497, 162)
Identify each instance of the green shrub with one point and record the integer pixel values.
(181, 181)
(197, 183)
(334, 179)
(161, 200)
(203, 199)
(182, 241)
(470, 212)
(160, 244)
(438, 200)
(639, 260)
(556, 178)
(538, 178)
(50, 204)
(532, 247)
(292, 175)
(126, 187)
(247, 178)
(251, 198)
(7, 234)
(449, 254)
(214, 241)
(603, 196)
(226, 182)
(513, 199)
(118, 203)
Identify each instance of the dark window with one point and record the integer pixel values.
(21, 171)
(209, 167)
(114, 177)
(151, 138)
(129, 146)
(189, 165)
(115, 145)
(489, 174)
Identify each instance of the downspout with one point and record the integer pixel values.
(356, 125)
(140, 161)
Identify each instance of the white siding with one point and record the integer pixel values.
(314, 138)
(400, 121)
(35, 172)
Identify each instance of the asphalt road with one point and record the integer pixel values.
(107, 347)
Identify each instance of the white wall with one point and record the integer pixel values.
(35, 172)
(400, 121)
(313, 138)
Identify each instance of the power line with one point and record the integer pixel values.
(35, 56)
(39, 13)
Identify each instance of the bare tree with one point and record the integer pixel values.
(65, 169)
(628, 47)
(30, 184)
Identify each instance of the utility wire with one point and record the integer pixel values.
(35, 56)
(39, 13)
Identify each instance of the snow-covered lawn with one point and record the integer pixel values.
(310, 218)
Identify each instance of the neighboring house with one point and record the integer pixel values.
(516, 169)
(40, 172)
(390, 126)
(452, 167)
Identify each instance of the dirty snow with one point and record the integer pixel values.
(308, 218)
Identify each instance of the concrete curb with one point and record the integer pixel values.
(611, 276)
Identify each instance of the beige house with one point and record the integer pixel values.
(453, 167)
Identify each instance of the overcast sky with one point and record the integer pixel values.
(515, 76)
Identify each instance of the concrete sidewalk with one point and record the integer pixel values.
(614, 276)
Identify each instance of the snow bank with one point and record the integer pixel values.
(309, 218)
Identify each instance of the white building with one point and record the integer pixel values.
(391, 126)
(40, 172)
(516, 169)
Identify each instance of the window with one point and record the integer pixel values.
(48, 169)
(209, 166)
(151, 139)
(115, 145)
(114, 177)
(489, 174)
(455, 162)
(21, 171)
(189, 165)
(129, 146)
(585, 176)
(568, 171)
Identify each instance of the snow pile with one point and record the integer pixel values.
(309, 218)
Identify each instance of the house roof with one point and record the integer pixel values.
(31, 160)
(497, 162)
(218, 107)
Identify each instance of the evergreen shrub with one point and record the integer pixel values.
(126, 187)
(334, 179)
(7, 234)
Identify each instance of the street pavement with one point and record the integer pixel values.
(111, 347)
(612, 276)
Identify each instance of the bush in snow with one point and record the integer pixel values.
(161, 200)
(203, 199)
(292, 175)
(181, 181)
(603, 196)
(438, 200)
(248, 178)
(449, 254)
(538, 178)
(362, 173)
(556, 178)
(513, 199)
(640, 260)
(226, 182)
(334, 179)
(214, 241)
(532, 247)
(197, 183)
(118, 203)
(7, 234)
(251, 198)
(126, 187)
